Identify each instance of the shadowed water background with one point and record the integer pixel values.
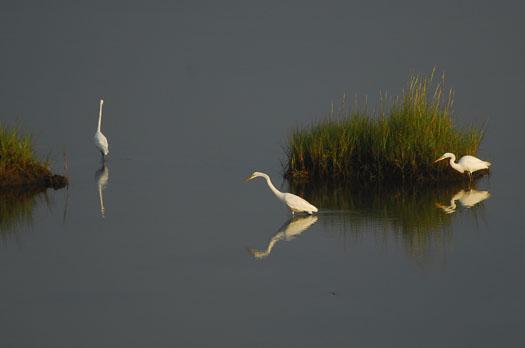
(197, 96)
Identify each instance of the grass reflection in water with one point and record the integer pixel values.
(16, 209)
(420, 215)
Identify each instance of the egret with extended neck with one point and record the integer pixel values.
(295, 203)
(469, 164)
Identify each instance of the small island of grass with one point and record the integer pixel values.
(19, 166)
(397, 142)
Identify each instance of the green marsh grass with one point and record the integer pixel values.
(399, 141)
(19, 165)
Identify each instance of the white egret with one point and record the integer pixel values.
(295, 203)
(468, 199)
(100, 140)
(468, 164)
(288, 231)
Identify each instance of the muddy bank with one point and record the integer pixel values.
(40, 178)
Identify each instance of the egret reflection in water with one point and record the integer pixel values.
(102, 177)
(288, 231)
(467, 199)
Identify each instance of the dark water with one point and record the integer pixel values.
(198, 95)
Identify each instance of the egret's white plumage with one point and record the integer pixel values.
(468, 164)
(100, 140)
(295, 203)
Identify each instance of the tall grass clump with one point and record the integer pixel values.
(19, 165)
(399, 141)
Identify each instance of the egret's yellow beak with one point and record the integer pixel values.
(249, 177)
(439, 159)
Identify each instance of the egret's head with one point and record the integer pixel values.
(446, 155)
(101, 101)
(254, 175)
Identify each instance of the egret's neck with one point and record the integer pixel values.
(455, 165)
(99, 117)
(278, 193)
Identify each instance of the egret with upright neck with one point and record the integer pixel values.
(469, 164)
(295, 203)
(100, 140)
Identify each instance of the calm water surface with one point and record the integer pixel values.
(167, 246)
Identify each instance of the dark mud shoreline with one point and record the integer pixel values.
(40, 182)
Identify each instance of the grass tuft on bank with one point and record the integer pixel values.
(398, 141)
(19, 165)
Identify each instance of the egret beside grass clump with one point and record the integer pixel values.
(469, 164)
(397, 142)
(19, 166)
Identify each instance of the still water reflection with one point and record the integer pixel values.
(468, 199)
(288, 231)
(409, 214)
(102, 178)
(16, 210)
